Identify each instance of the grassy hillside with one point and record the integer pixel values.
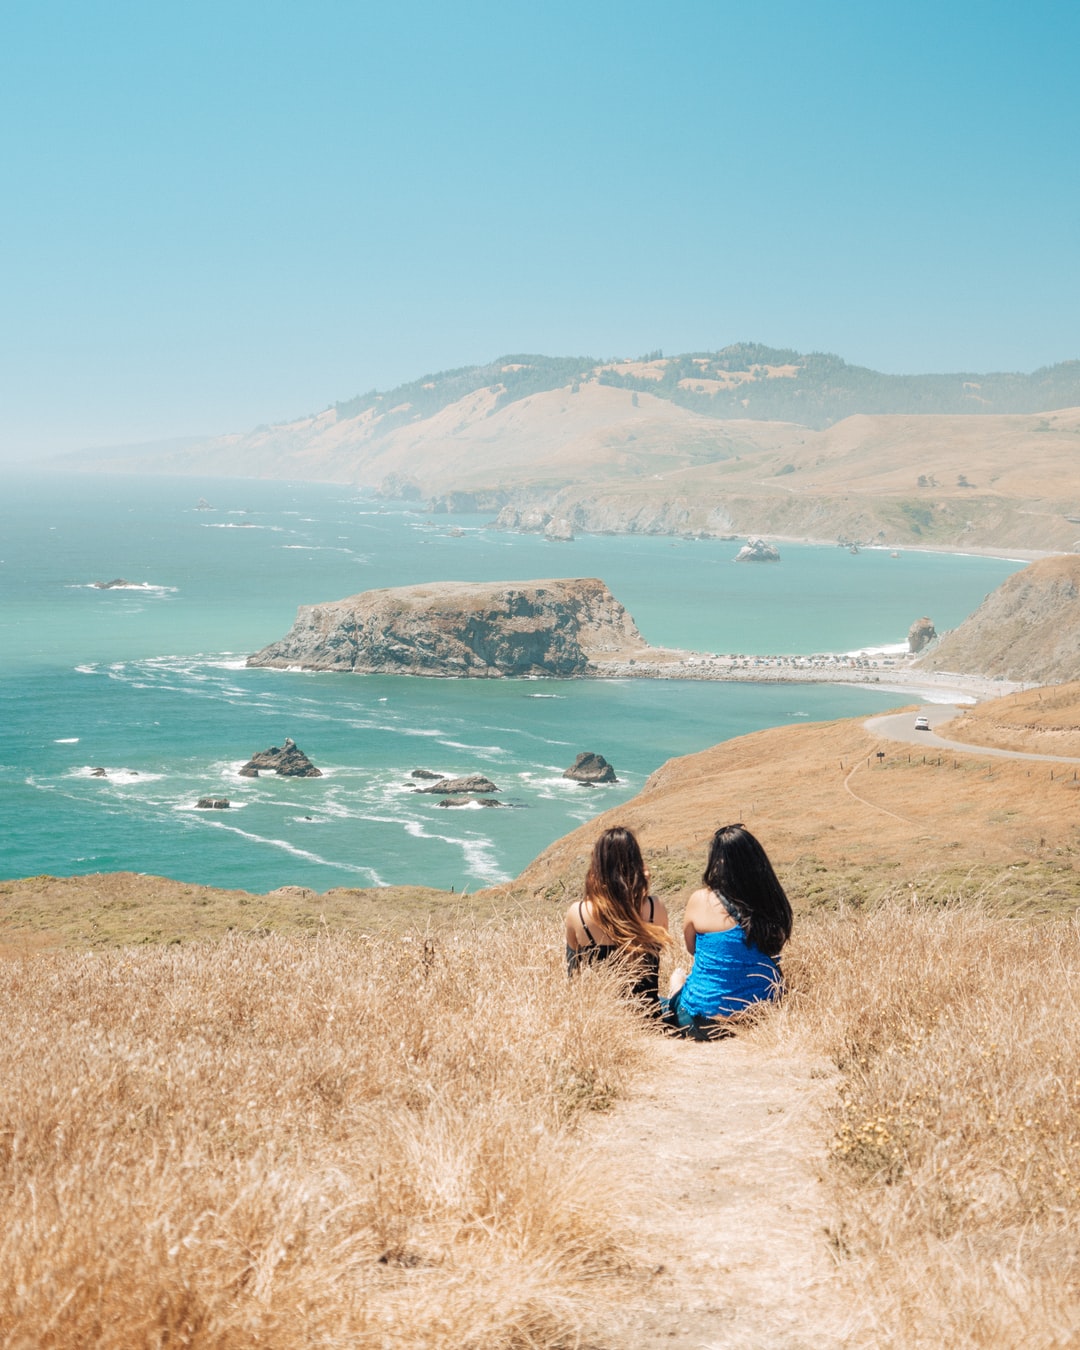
(848, 828)
(310, 1132)
(1027, 629)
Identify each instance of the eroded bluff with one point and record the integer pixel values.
(479, 629)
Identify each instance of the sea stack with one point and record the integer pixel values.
(288, 760)
(757, 550)
(590, 768)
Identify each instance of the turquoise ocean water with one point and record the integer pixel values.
(149, 682)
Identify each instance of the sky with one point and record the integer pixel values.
(215, 215)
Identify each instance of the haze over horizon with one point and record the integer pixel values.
(221, 216)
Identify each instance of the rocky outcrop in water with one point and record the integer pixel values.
(590, 768)
(475, 782)
(559, 531)
(525, 519)
(469, 801)
(212, 804)
(288, 760)
(117, 583)
(757, 550)
(477, 629)
(921, 633)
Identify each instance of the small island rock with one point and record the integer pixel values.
(757, 550)
(469, 801)
(288, 760)
(115, 584)
(560, 531)
(426, 773)
(212, 804)
(457, 786)
(590, 768)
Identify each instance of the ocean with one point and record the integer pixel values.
(148, 681)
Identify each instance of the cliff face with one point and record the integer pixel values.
(475, 629)
(1028, 629)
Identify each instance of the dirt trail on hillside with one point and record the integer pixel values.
(733, 1217)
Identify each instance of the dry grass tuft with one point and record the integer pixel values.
(956, 1139)
(284, 1141)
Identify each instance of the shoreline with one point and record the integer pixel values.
(881, 672)
(1017, 554)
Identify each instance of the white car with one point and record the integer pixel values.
(922, 724)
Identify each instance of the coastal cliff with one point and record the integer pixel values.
(477, 629)
(1027, 630)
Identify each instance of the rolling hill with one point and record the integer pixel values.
(735, 442)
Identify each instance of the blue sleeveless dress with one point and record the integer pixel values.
(728, 975)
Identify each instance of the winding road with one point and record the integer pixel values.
(901, 727)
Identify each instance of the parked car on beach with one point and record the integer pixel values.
(922, 724)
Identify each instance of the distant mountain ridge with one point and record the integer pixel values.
(693, 445)
(744, 380)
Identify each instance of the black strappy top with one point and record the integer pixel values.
(646, 965)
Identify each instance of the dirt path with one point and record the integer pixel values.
(732, 1214)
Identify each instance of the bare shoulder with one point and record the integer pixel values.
(659, 912)
(699, 899)
(572, 919)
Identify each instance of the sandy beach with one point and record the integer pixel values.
(885, 670)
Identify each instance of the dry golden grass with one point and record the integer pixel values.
(956, 1139)
(843, 827)
(1044, 721)
(128, 908)
(287, 1141)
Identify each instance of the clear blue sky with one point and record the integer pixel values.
(219, 214)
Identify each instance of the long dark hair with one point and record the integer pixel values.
(616, 886)
(739, 870)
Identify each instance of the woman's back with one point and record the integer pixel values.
(728, 974)
(588, 941)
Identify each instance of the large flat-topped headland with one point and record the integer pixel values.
(462, 628)
(570, 628)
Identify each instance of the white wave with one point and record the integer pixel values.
(306, 854)
(476, 852)
(544, 695)
(885, 649)
(316, 548)
(239, 525)
(126, 777)
(496, 750)
(146, 587)
(66, 740)
(90, 669)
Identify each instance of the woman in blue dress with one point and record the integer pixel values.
(734, 928)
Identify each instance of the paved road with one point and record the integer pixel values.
(901, 727)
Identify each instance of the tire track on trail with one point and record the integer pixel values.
(866, 802)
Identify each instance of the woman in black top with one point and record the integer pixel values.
(618, 917)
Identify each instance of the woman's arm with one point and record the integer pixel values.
(690, 931)
(573, 942)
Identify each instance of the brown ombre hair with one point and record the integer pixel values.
(616, 885)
